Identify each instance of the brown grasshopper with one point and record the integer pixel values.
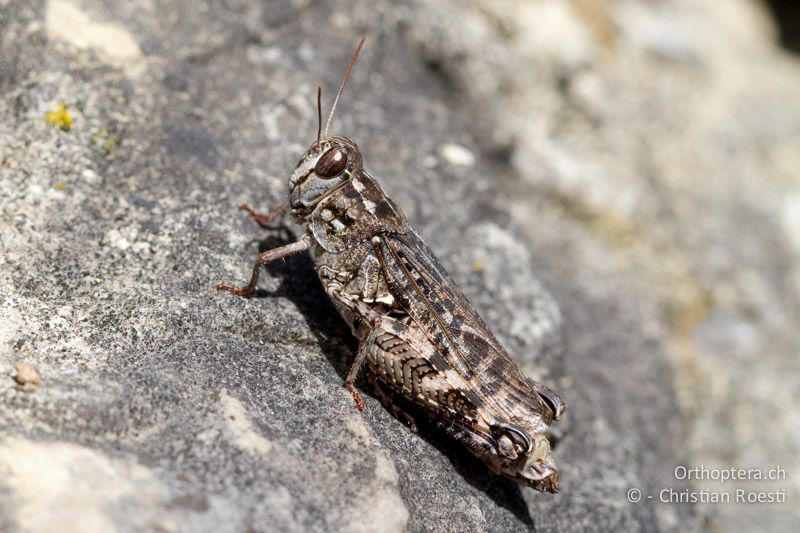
(418, 335)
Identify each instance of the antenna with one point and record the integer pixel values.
(344, 82)
(319, 112)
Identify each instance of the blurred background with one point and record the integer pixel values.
(614, 184)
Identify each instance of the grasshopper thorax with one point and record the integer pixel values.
(324, 168)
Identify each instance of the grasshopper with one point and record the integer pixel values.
(418, 335)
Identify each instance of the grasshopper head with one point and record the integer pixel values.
(328, 163)
(325, 166)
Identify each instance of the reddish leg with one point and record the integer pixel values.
(350, 380)
(389, 404)
(264, 258)
(356, 396)
(263, 220)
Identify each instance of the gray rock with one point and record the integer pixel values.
(634, 163)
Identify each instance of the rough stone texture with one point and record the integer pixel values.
(639, 159)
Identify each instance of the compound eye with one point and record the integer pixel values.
(331, 164)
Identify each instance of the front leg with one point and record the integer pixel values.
(264, 219)
(265, 258)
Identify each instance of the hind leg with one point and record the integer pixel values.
(388, 403)
(349, 383)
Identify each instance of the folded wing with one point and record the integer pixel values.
(438, 308)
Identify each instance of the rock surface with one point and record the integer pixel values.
(638, 159)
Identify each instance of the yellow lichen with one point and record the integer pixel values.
(59, 118)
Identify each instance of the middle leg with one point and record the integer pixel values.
(266, 258)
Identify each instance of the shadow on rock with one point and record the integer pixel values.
(300, 284)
